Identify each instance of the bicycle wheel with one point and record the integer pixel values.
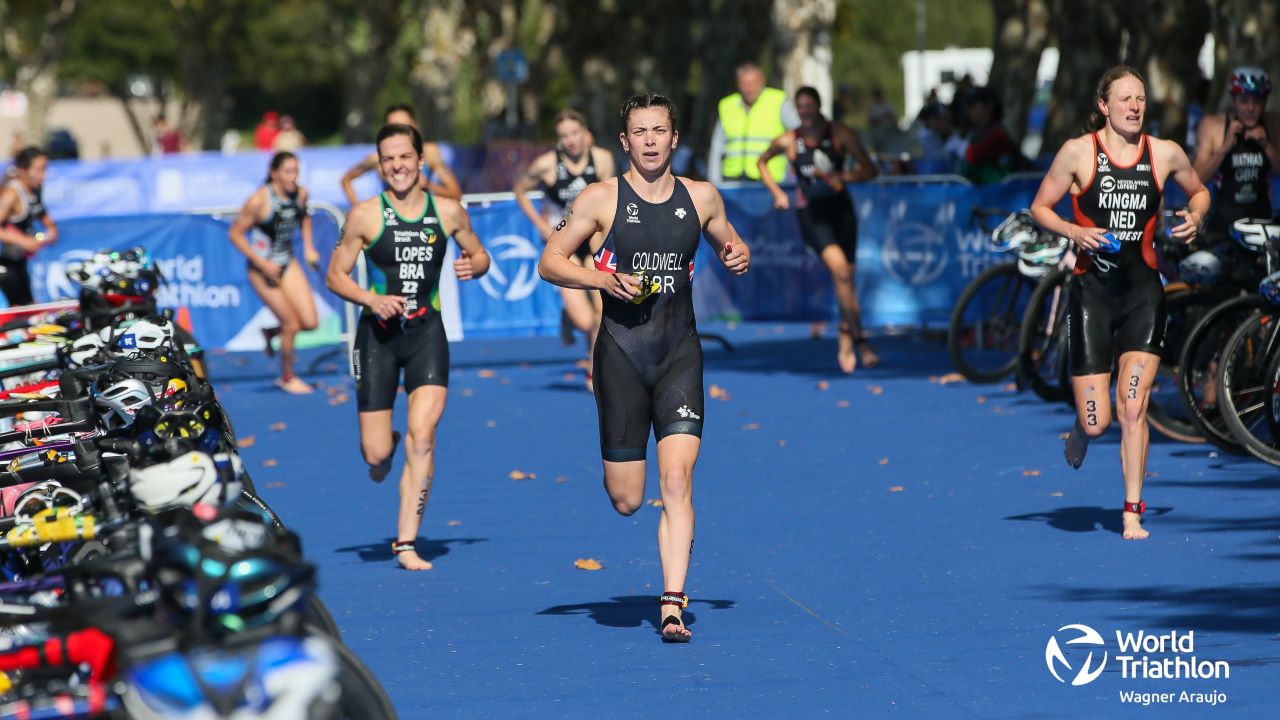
(1166, 412)
(982, 338)
(1272, 409)
(1042, 341)
(317, 615)
(1198, 365)
(1243, 379)
(362, 695)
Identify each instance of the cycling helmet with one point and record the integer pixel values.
(86, 349)
(1201, 267)
(1250, 81)
(1036, 259)
(1254, 233)
(156, 371)
(118, 402)
(187, 479)
(1018, 229)
(144, 336)
(230, 578)
(1269, 288)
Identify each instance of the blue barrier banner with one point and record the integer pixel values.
(206, 280)
(510, 300)
(201, 181)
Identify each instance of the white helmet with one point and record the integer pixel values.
(1254, 233)
(1201, 267)
(85, 348)
(120, 401)
(1017, 230)
(184, 481)
(144, 335)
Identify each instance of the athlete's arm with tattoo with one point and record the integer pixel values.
(368, 164)
(309, 253)
(555, 266)
(448, 186)
(1182, 172)
(473, 260)
(9, 235)
(1056, 184)
(250, 214)
(529, 180)
(363, 221)
(732, 251)
(777, 147)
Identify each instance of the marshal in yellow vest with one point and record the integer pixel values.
(747, 134)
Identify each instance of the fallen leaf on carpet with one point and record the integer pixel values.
(518, 475)
(491, 423)
(561, 479)
(275, 485)
(338, 399)
(823, 384)
(1030, 473)
(486, 373)
(782, 443)
(468, 392)
(842, 403)
(718, 393)
(588, 564)
(751, 426)
(269, 463)
(246, 441)
(982, 399)
(896, 488)
(1056, 493)
(505, 381)
(875, 389)
(278, 426)
(884, 461)
(949, 378)
(1011, 387)
(655, 503)
(455, 523)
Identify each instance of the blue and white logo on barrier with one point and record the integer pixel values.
(1085, 635)
(56, 283)
(513, 268)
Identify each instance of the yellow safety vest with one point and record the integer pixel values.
(747, 134)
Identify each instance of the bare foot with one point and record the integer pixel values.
(1077, 446)
(869, 357)
(409, 560)
(674, 632)
(295, 386)
(845, 355)
(378, 473)
(1133, 527)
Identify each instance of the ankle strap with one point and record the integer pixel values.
(1137, 508)
(671, 597)
(402, 546)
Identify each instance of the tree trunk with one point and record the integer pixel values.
(1175, 32)
(1085, 51)
(1021, 35)
(37, 66)
(207, 32)
(1244, 34)
(802, 45)
(369, 44)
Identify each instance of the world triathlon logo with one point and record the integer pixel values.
(513, 272)
(1080, 635)
(915, 254)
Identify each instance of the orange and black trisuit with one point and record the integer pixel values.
(1118, 302)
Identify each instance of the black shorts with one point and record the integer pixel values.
(666, 397)
(830, 221)
(381, 351)
(1107, 317)
(15, 281)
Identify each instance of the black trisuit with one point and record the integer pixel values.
(825, 214)
(566, 189)
(1118, 303)
(15, 280)
(405, 260)
(1244, 190)
(280, 226)
(648, 361)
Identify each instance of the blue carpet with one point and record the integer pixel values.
(875, 546)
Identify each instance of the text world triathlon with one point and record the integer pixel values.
(1169, 668)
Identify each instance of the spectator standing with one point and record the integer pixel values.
(748, 122)
(264, 136)
(289, 138)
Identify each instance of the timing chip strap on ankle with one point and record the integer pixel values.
(402, 546)
(1137, 508)
(674, 598)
